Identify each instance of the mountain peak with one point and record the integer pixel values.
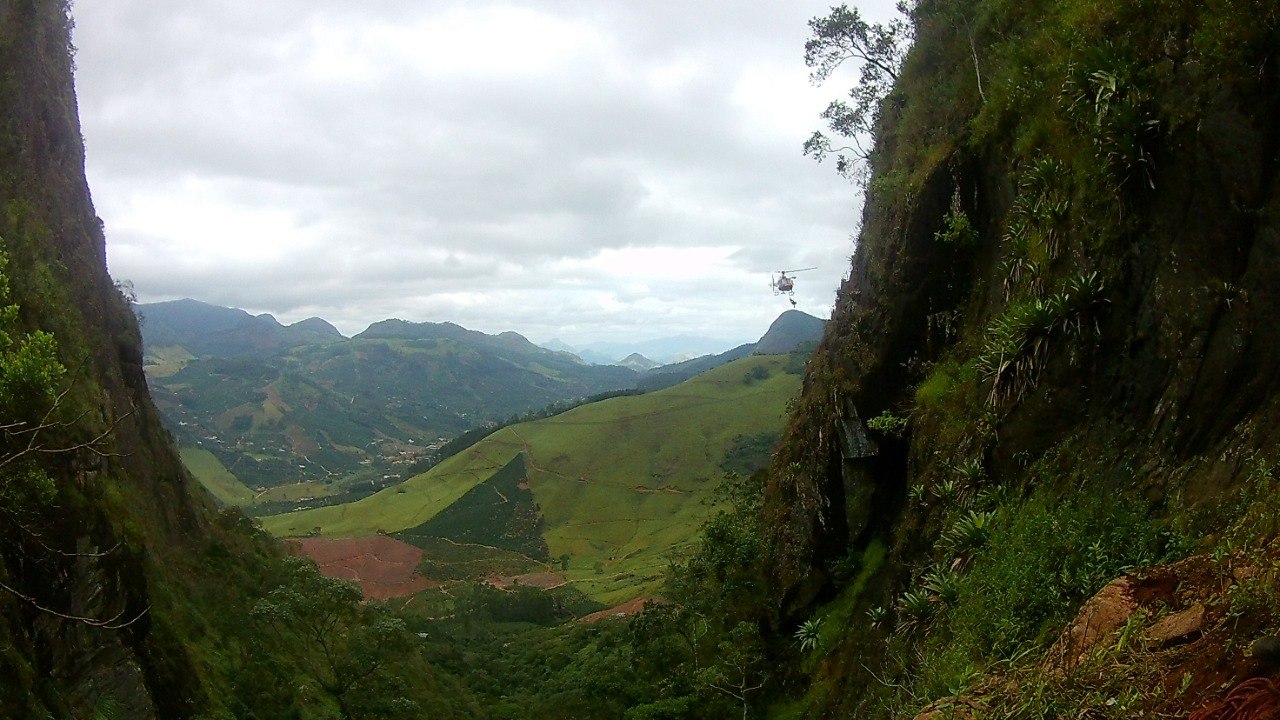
(636, 361)
(395, 328)
(789, 331)
(319, 326)
(205, 329)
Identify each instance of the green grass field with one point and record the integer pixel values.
(621, 483)
(215, 477)
(294, 492)
(166, 361)
(227, 488)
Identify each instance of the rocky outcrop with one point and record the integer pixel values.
(1184, 246)
(1176, 629)
(1165, 605)
(1054, 296)
(80, 617)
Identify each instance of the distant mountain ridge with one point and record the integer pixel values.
(279, 405)
(785, 333)
(663, 351)
(298, 412)
(675, 373)
(791, 330)
(396, 329)
(558, 345)
(637, 362)
(211, 330)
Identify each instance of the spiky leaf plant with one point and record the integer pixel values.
(915, 608)
(970, 532)
(807, 634)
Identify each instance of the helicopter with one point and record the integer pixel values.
(783, 284)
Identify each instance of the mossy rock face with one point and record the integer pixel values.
(126, 511)
(859, 496)
(1024, 149)
(1178, 217)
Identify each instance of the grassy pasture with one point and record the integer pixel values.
(166, 361)
(215, 477)
(621, 483)
(295, 491)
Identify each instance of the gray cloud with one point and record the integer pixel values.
(589, 170)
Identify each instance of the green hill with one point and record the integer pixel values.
(620, 483)
(789, 331)
(215, 477)
(300, 404)
(499, 512)
(209, 330)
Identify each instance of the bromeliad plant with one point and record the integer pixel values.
(1018, 342)
(950, 492)
(807, 634)
(971, 472)
(969, 533)
(1037, 224)
(944, 583)
(877, 615)
(915, 609)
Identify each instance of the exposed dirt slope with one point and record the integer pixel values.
(1167, 640)
(383, 567)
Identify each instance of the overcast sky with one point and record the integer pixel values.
(580, 169)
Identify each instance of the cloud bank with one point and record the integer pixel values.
(583, 170)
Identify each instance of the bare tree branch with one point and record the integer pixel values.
(108, 624)
(977, 71)
(91, 444)
(45, 424)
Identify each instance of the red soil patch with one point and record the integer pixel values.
(383, 567)
(274, 397)
(626, 609)
(300, 441)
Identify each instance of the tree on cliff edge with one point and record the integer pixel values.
(840, 37)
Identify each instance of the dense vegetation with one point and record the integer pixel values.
(298, 412)
(123, 592)
(1051, 366)
(698, 654)
(617, 484)
(1037, 371)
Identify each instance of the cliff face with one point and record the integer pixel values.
(1065, 282)
(88, 619)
